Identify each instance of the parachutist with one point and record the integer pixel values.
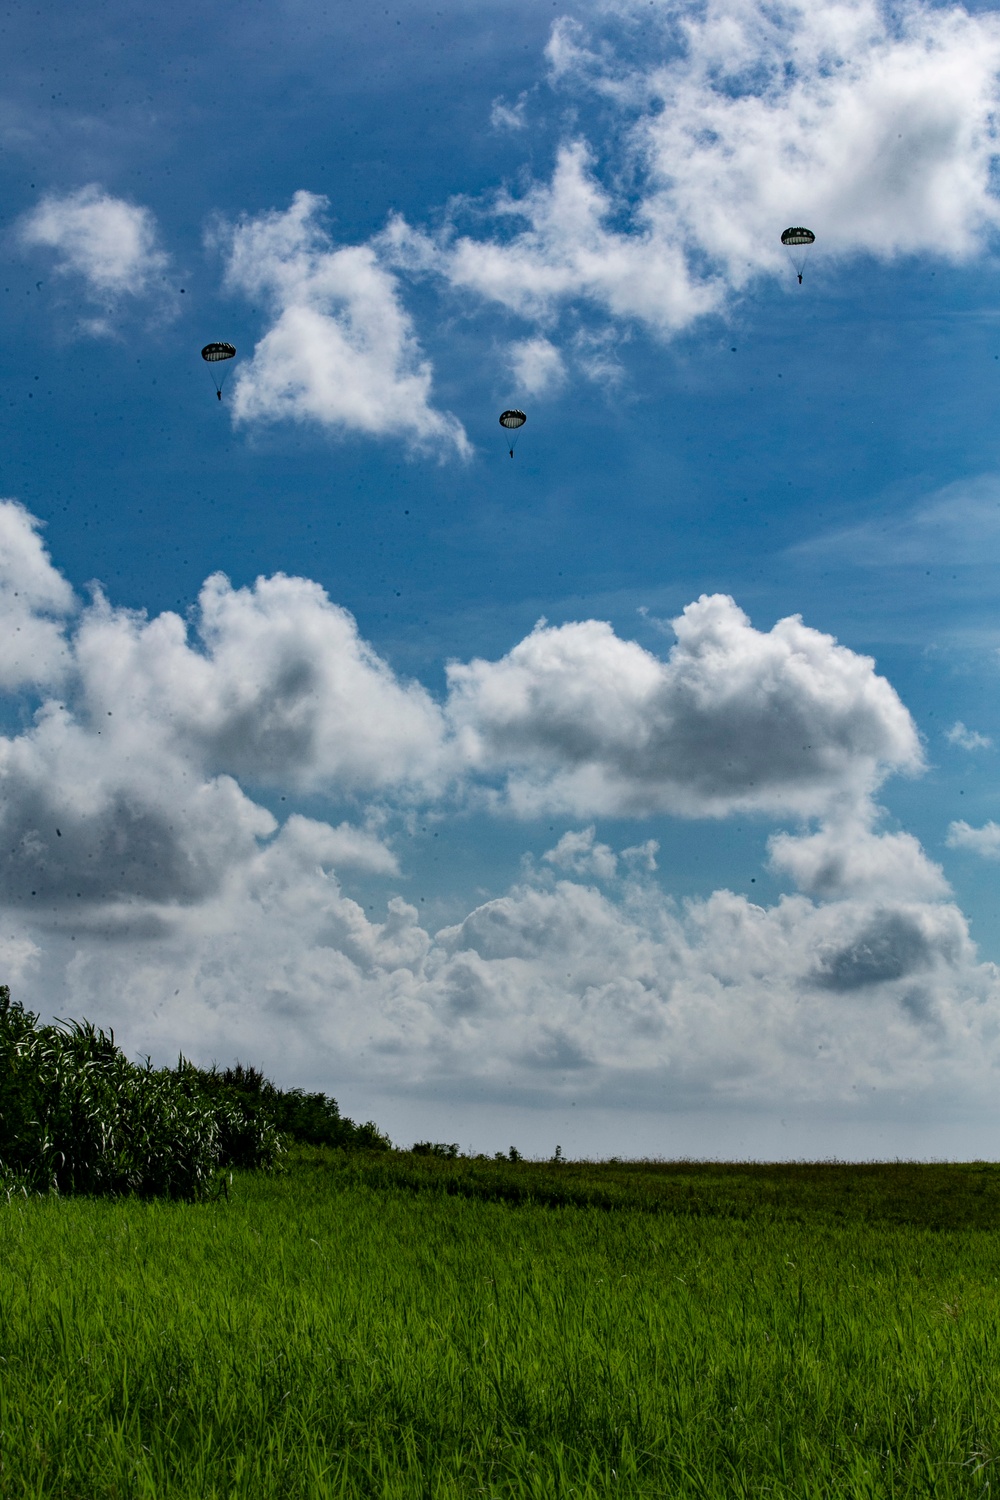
(797, 241)
(213, 354)
(512, 421)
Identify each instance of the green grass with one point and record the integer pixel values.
(933, 1196)
(340, 1331)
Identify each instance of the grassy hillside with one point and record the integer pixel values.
(400, 1327)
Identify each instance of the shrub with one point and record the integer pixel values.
(77, 1117)
(310, 1119)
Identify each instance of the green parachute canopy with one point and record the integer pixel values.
(798, 237)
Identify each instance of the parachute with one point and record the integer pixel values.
(797, 242)
(214, 354)
(513, 421)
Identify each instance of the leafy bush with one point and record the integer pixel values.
(77, 1117)
(310, 1119)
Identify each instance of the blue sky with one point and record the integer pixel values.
(671, 870)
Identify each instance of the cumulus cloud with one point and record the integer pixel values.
(82, 820)
(642, 856)
(847, 858)
(142, 884)
(566, 251)
(876, 126)
(111, 243)
(967, 739)
(780, 721)
(276, 687)
(984, 841)
(580, 854)
(557, 991)
(720, 999)
(123, 801)
(34, 599)
(343, 847)
(341, 350)
(271, 686)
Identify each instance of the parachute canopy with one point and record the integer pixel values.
(512, 419)
(798, 237)
(212, 353)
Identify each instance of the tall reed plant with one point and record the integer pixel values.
(76, 1116)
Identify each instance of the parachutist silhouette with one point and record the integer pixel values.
(219, 393)
(800, 278)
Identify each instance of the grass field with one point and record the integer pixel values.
(411, 1327)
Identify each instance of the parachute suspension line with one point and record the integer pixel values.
(512, 421)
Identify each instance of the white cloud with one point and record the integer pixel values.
(343, 847)
(967, 739)
(33, 649)
(84, 820)
(277, 688)
(121, 804)
(845, 858)
(537, 366)
(874, 126)
(341, 350)
(504, 116)
(143, 766)
(108, 241)
(596, 351)
(273, 686)
(642, 856)
(984, 840)
(567, 251)
(556, 992)
(779, 721)
(141, 884)
(579, 854)
(958, 525)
